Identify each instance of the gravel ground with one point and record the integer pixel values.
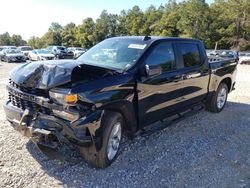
(205, 150)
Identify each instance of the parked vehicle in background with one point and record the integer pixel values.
(12, 55)
(228, 54)
(77, 51)
(61, 52)
(120, 86)
(10, 47)
(41, 55)
(25, 50)
(244, 58)
(1, 51)
(223, 54)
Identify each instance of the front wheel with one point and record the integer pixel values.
(219, 99)
(111, 129)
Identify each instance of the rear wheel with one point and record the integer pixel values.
(111, 139)
(219, 99)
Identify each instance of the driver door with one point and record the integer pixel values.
(160, 94)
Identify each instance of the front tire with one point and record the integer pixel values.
(218, 99)
(111, 128)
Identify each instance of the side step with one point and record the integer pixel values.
(148, 130)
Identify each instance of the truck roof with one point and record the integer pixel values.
(150, 39)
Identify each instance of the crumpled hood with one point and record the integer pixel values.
(44, 75)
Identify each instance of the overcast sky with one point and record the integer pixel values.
(33, 17)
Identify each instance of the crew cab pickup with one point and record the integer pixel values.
(120, 87)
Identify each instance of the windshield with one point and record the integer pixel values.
(12, 51)
(26, 48)
(42, 51)
(114, 53)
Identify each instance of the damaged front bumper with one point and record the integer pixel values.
(48, 129)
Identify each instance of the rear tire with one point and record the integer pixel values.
(111, 129)
(218, 99)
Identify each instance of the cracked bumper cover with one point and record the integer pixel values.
(31, 124)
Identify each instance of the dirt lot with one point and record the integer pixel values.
(205, 150)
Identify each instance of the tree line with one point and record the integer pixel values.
(225, 22)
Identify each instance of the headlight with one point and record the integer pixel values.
(63, 96)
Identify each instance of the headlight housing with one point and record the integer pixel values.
(63, 96)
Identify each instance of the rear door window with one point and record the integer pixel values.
(190, 54)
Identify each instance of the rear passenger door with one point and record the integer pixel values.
(195, 72)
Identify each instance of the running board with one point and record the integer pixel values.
(148, 130)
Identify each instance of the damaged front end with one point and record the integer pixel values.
(49, 114)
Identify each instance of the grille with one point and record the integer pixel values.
(33, 91)
(25, 104)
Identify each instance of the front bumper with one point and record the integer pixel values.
(16, 59)
(38, 126)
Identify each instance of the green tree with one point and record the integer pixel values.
(193, 20)
(134, 21)
(53, 36)
(68, 35)
(5, 39)
(152, 17)
(167, 26)
(17, 40)
(36, 42)
(85, 33)
(106, 26)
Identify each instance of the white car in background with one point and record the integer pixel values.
(25, 50)
(244, 58)
(10, 47)
(77, 51)
(41, 55)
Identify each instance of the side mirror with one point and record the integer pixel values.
(152, 70)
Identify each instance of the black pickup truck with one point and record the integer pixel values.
(120, 87)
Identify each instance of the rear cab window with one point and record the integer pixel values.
(190, 54)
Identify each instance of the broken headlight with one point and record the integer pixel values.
(63, 96)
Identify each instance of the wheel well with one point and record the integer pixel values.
(228, 82)
(127, 111)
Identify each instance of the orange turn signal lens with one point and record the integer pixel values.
(71, 99)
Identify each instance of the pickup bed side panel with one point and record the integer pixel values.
(221, 70)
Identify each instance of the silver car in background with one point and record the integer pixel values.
(77, 51)
(41, 55)
(12, 55)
